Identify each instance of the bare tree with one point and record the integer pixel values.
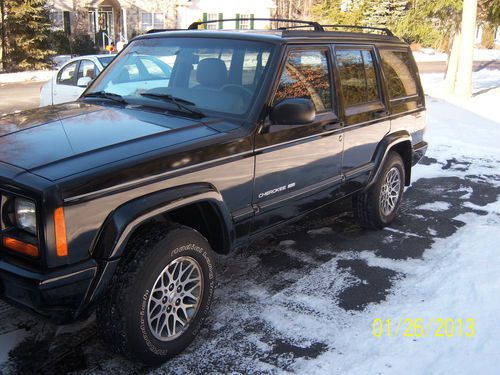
(294, 9)
(3, 36)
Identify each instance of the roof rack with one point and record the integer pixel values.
(152, 31)
(383, 29)
(315, 25)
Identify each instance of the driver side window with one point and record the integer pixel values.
(67, 74)
(306, 75)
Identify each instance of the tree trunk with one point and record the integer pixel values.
(463, 85)
(3, 37)
(452, 65)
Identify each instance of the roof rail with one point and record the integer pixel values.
(315, 25)
(383, 29)
(152, 31)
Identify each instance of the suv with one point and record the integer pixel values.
(118, 201)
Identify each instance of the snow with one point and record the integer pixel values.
(454, 278)
(28, 76)
(431, 55)
(9, 341)
(320, 231)
(434, 206)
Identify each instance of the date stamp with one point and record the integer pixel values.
(419, 327)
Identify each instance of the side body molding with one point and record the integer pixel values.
(398, 139)
(122, 222)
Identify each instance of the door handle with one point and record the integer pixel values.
(333, 125)
(379, 114)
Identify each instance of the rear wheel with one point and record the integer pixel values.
(377, 207)
(160, 297)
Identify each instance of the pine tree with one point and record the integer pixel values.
(28, 25)
(339, 12)
(384, 12)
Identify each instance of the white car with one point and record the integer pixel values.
(72, 79)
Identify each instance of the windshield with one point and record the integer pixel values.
(106, 60)
(220, 75)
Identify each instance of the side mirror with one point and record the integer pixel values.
(84, 81)
(293, 111)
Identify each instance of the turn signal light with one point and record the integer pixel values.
(60, 229)
(20, 246)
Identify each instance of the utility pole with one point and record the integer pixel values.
(460, 63)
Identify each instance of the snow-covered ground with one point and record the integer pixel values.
(480, 54)
(304, 300)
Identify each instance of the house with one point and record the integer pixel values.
(110, 21)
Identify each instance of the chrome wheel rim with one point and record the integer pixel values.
(390, 190)
(175, 298)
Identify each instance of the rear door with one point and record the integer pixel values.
(298, 167)
(366, 113)
(405, 94)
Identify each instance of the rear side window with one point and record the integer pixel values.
(306, 75)
(357, 76)
(399, 73)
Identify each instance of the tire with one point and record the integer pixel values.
(371, 209)
(138, 321)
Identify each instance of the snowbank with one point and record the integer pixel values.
(29, 76)
(480, 54)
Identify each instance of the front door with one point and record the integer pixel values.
(298, 167)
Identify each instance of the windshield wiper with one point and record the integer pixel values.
(106, 95)
(182, 104)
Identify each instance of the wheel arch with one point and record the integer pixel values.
(168, 205)
(400, 142)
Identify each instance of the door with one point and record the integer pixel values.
(297, 167)
(404, 91)
(366, 113)
(65, 86)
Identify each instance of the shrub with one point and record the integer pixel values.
(60, 43)
(83, 44)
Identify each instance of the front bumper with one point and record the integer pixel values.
(56, 295)
(418, 152)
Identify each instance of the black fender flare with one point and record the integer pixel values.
(121, 223)
(388, 143)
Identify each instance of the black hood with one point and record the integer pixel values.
(79, 136)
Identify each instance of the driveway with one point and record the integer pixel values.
(19, 96)
(313, 268)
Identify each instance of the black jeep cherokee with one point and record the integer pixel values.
(192, 143)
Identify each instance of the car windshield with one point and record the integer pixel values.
(208, 74)
(106, 60)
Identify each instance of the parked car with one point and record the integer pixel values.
(71, 80)
(118, 202)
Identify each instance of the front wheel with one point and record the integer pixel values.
(160, 297)
(377, 207)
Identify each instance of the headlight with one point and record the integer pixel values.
(25, 212)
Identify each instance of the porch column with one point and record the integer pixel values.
(124, 28)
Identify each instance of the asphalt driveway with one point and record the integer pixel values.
(316, 256)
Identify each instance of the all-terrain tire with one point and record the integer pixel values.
(367, 206)
(122, 316)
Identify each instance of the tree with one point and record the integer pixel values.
(3, 35)
(27, 27)
(339, 12)
(384, 12)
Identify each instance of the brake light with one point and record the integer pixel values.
(20, 246)
(60, 231)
